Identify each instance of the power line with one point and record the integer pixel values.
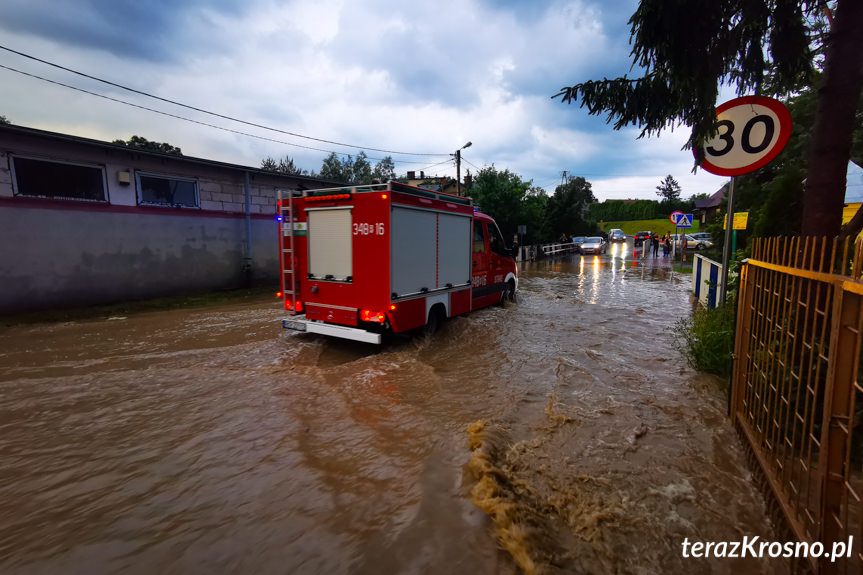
(478, 169)
(435, 165)
(548, 185)
(175, 116)
(203, 111)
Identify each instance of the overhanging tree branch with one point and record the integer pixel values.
(768, 47)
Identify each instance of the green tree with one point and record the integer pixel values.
(361, 172)
(141, 143)
(283, 166)
(385, 170)
(628, 210)
(668, 189)
(533, 209)
(357, 171)
(335, 169)
(3, 120)
(569, 206)
(510, 201)
(762, 46)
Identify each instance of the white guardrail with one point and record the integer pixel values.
(706, 281)
(560, 248)
(536, 251)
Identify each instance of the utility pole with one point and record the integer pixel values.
(458, 167)
(458, 172)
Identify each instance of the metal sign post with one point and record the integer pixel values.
(686, 223)
(726, 248)
(680, 221)
(675, 219)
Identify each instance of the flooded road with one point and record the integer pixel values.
(562, 435)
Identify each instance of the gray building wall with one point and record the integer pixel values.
(62, 253)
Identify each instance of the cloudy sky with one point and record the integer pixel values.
(389, 77)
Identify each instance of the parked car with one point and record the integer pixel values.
(702, 236)
(698, 241)
(640, 237)
(617, 235)
(692, 243)
(595, 245)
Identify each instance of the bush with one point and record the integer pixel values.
(706, 338)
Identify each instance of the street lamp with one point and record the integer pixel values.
(458, 167)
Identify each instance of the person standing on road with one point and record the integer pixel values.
(655, 241)
(666, 245)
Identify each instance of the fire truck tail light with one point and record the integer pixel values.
(393, 307)
(289, 305)
(383, 196)
(278, 294)
(373, 316)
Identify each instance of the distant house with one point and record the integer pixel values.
(86, 222)
(707, 208)
(442, 184)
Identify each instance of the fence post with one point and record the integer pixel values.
(742, 340)
(836, 430)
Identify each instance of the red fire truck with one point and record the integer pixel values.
(358, 262)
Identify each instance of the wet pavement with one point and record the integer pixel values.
(564, 434)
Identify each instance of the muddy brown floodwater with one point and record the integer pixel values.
(563, 434)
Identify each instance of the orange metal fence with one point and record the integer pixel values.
(797, 396)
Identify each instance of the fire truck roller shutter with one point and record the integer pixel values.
(413, 250)
(454, 250)
(330, 251)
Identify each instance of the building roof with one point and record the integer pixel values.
(23, 130)
(713, 201)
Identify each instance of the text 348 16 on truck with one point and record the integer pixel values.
(358, 262)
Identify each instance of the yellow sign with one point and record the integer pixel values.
(740, 221)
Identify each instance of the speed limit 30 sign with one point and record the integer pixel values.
(752, 132)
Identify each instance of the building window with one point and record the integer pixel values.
(156, 190)
(58, 180)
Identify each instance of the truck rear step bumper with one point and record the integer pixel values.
(300, 323)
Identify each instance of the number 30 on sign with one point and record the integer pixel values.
(752, 132)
